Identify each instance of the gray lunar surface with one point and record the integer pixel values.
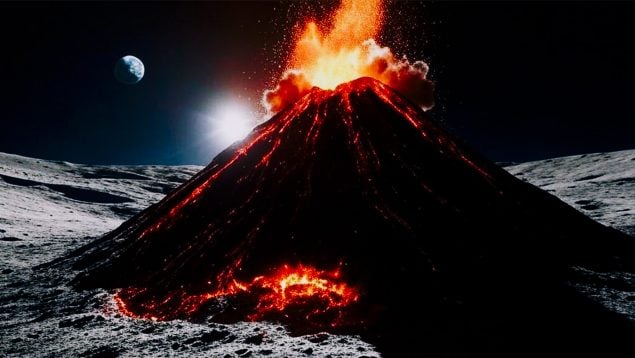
(601, 185)
(48, 208)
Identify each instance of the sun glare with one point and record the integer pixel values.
(230, 121)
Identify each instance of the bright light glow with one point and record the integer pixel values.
(340, 54)
(284, 290)
(230, 121)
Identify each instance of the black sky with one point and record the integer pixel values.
(517, 81)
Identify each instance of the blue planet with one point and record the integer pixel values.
(129, 70)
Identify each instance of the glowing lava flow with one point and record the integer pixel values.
(287, 290)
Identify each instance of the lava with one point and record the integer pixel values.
(286, 290)
(346, 51)
(339, 55)
(360, 174)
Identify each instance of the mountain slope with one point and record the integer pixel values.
(598, 184)
(360, 179)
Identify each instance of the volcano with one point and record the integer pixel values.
(353, 211)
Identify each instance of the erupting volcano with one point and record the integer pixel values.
(336, 212)
(332, 214)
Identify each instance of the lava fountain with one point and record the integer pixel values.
(346, 51)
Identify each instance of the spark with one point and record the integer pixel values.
(348, 50)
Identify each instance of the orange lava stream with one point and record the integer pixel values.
(290, 286)
(286, 288)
